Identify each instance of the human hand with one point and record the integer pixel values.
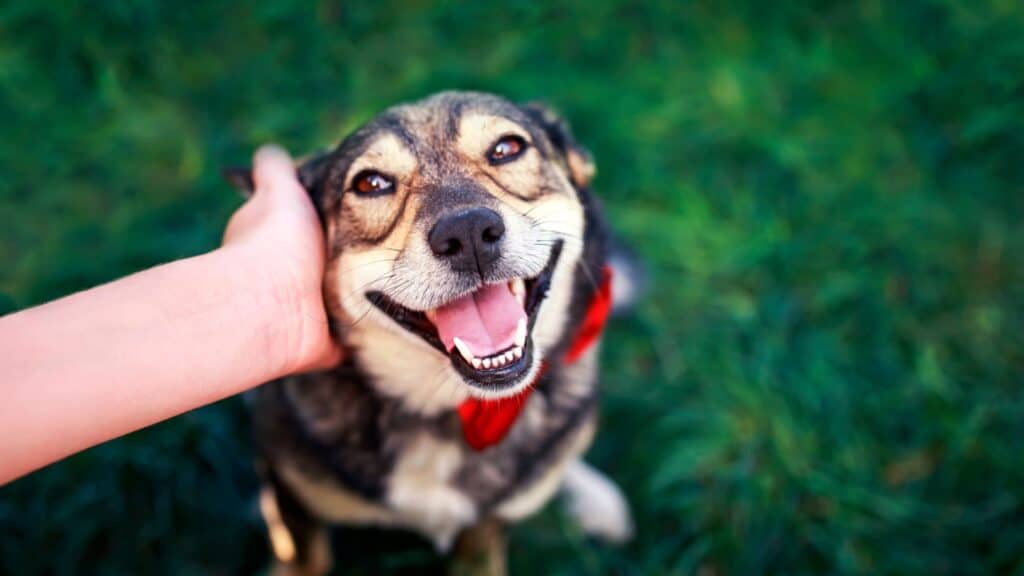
(278, 236)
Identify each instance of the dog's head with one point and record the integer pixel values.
(454, 226)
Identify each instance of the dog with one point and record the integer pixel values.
(467, 279)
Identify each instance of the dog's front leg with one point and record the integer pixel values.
(300, 543)
(480, 551)
(596, 503)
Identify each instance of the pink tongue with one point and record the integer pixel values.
(485, 320)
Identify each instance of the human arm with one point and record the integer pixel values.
(112, 359)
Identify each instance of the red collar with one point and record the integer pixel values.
(486, 422)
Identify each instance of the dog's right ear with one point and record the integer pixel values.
(310, 171)
(577, 158)
(240, 178)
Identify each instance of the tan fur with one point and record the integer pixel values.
(581, 168)
(477, 132)
(319, 563)
(281, 541)
(386, 154)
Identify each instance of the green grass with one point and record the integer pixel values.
(827, 375)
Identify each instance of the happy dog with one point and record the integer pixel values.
(467, 280)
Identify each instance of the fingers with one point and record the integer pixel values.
(273, 171)
(330, 359)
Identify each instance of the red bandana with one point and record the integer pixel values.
(486, 422)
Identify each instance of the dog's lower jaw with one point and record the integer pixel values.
(527, 380)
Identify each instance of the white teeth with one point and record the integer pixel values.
(521, 333)
(495, 361)
(467, 354)
(518, 288)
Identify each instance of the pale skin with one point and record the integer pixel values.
(118, 357)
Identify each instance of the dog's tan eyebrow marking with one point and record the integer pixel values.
(478, 131)
(386, 153)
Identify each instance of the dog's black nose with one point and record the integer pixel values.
(469, 239)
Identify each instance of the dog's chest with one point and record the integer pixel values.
(336, 430)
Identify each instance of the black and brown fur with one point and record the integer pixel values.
(377, 441)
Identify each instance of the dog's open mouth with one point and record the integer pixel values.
(486, 333)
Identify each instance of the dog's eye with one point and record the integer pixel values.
(371, 183)
(506, 148)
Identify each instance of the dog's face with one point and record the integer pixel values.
(453, 227)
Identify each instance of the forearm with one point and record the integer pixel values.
(131, 353)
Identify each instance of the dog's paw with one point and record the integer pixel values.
(438, 513)
(597, 504)
(420, 491)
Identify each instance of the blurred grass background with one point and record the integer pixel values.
(826, 376)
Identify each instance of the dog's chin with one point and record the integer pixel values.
(487, 334)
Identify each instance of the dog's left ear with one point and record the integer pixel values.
(311, 172)
(577, 158)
